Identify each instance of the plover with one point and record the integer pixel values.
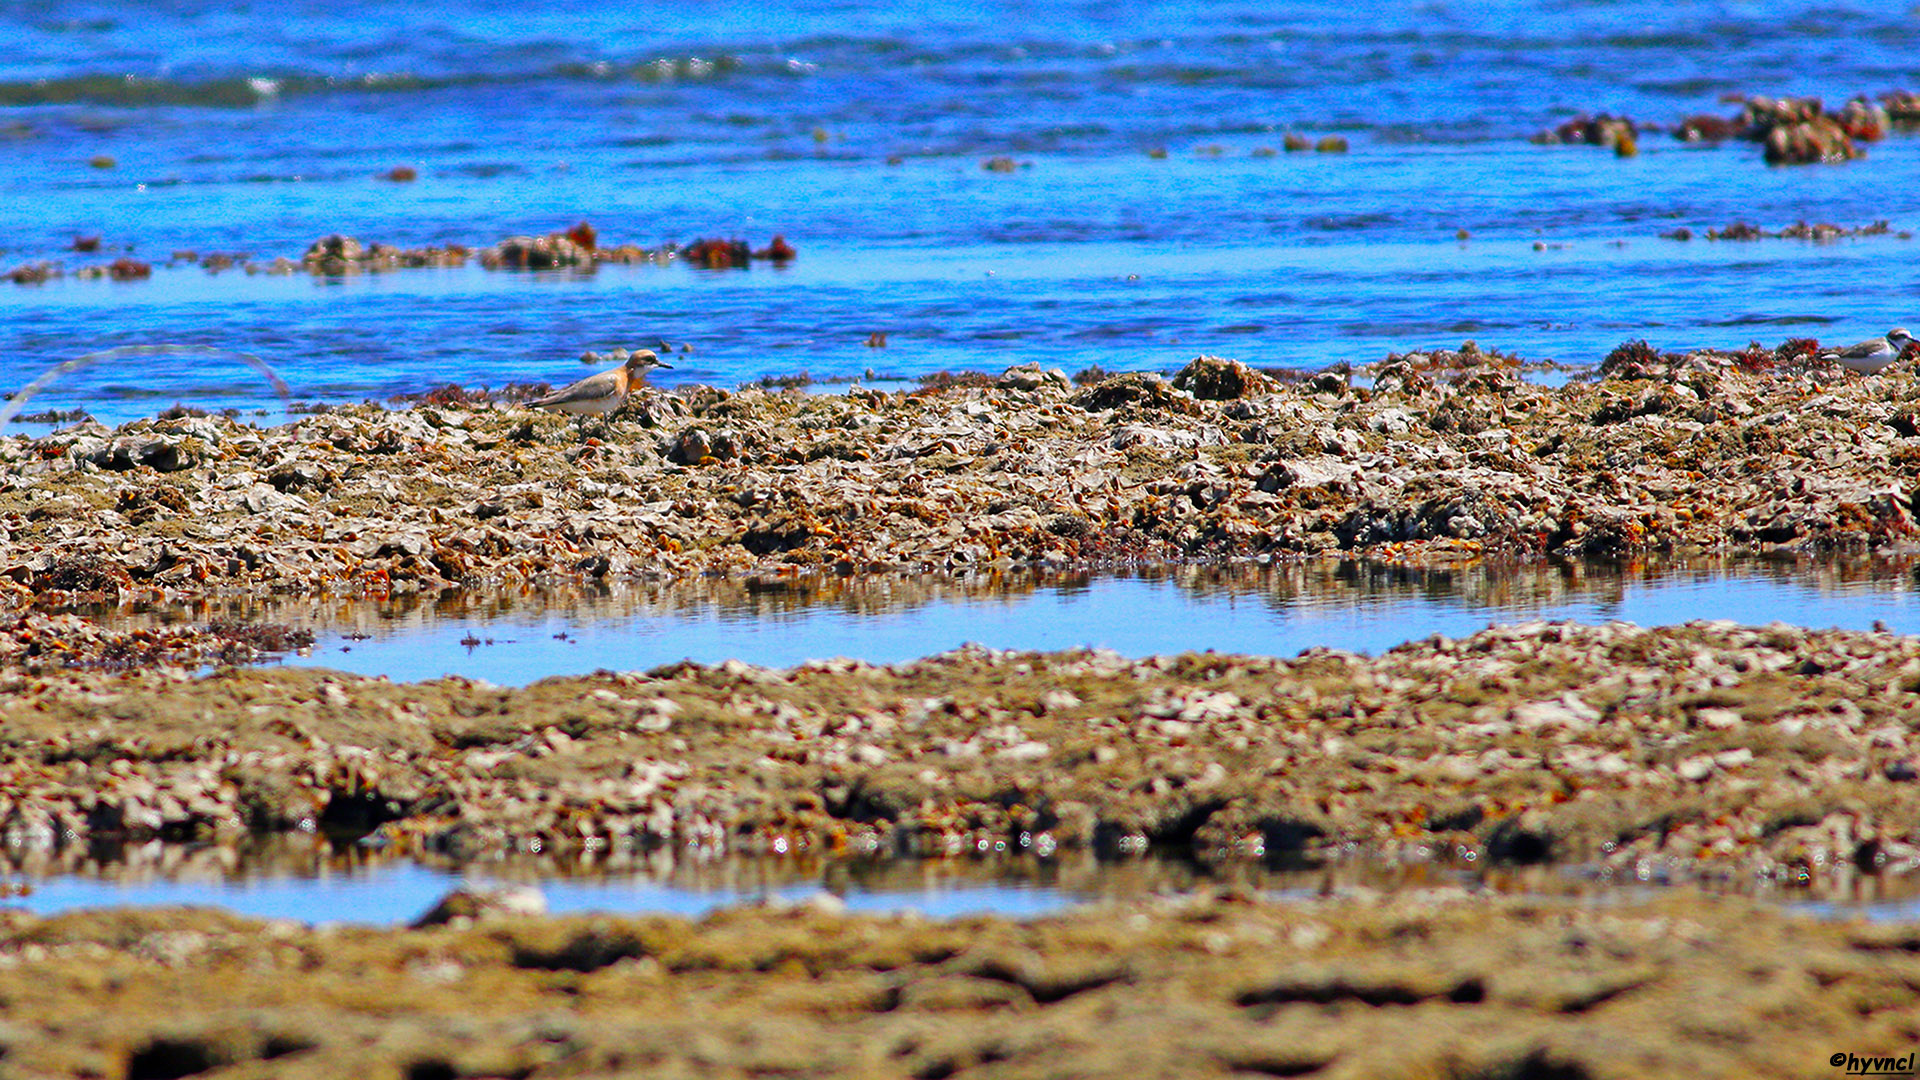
(598, 395)
(1872, 355)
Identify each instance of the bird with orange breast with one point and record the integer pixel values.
(600, 395)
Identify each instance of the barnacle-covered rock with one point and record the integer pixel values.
(1140, 389)
(1211, 378)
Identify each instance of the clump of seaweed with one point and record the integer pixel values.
(1630, 359)
(952, 380)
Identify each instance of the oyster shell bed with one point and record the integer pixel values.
(1025, 469)
(1704, 752)
(1434, 984)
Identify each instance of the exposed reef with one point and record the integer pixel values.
(1446, 455)
(1704, 752)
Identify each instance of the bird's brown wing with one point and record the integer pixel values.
(592, 388)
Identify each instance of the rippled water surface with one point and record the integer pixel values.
(859, 132)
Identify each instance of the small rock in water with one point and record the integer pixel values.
(470, 904)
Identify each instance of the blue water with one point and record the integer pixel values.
(400, 892)
(517, 639)
(258, 128)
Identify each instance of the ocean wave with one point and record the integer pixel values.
(247, 91)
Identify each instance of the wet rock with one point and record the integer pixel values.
(1797, 131)
(1032, 377)
(1138, 389)
(34, 273)
(1707, 128)
(339, 254)
(51, 642)
(549, 252)
(717, 254)
(1792, 130)
(697, 445)
(779, 251)
(1602, 130)
(161, 455)
(334, 254)
(468, 905)
(1211, 378)
(1902, 106)
(1820, 140)
(124, 268)
(1864, 119)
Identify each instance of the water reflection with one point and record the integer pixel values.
(1274, 609)
(310, 880)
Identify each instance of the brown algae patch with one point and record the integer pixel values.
(1680, 455)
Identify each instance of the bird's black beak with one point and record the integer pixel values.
(657, 362)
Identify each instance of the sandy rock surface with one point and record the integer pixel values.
(1025, 469)
(1436, 985)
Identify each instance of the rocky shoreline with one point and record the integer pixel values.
(1707, 755)
(1444, 456)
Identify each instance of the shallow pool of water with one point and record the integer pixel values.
(402, 893)
(311, 880)
(1277, 610)
(316, 884)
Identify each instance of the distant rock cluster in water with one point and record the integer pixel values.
(1793, 131)
(577, 249)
